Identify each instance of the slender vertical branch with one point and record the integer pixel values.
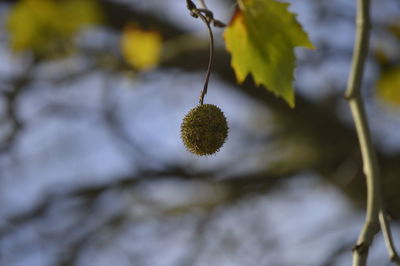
(361, 46)
(370, 165)
(371, 225)
(374, 214)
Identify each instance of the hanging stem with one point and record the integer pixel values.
(210, 58)
(207, 17)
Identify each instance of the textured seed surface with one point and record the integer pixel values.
(204, 129)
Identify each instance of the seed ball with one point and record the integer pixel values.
(204, 129)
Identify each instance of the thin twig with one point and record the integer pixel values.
(387, 235)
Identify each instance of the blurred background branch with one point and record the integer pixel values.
(92, 170)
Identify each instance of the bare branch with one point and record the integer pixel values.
(387, 234)
(371, 170)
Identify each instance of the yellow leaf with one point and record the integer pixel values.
(141, 48)
(261, 39)
(47, 26)
(389, 86)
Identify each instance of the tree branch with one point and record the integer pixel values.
(203, 4)
(370, 164)
(387, 235)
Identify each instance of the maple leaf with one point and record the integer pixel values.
(261, 38)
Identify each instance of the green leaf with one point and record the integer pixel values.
(261, 39)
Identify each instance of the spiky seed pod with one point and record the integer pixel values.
(204, 129)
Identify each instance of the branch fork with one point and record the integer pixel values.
(203, 12)
(375, 217)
